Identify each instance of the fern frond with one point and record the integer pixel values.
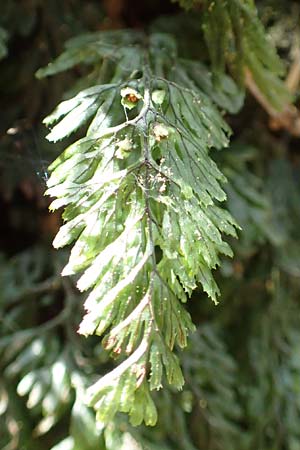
(214, 392)
(235, 38)
(139, 192)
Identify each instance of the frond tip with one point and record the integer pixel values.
(139, 192)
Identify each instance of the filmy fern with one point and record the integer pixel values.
(235, 38)
(141, 195)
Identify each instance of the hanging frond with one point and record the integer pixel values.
(140, 193)
(235, 38)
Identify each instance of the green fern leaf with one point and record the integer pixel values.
(139, 193)
(236, 39)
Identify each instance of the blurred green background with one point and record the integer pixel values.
(242, 367)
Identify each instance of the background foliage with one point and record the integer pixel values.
(241, 366)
